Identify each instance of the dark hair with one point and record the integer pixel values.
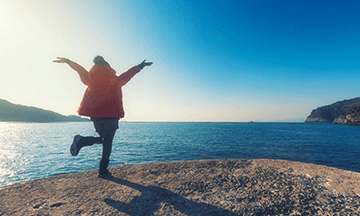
(99, 60)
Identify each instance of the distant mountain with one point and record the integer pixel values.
(331, 112)
(10, 112)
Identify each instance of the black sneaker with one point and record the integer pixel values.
(75, 147)
(106, 174)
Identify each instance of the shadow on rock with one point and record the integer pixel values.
(153, 199)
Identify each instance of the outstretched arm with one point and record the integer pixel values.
(126, 76)
(83, 73)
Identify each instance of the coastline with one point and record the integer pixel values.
(203, 187)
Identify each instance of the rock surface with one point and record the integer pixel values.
(207, 187)
(350, 116)
(327, 114)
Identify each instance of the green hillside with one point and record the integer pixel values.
(10, 112)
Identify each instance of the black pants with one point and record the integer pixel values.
(106, 127)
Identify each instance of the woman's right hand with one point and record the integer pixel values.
(146, 63)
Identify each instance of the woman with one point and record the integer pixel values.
(102, 102)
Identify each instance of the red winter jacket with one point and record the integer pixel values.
(103, 96)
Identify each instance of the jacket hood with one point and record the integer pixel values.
(102, 75)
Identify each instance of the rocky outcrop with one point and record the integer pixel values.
(205, 187)
(327, 114)
(350, 117)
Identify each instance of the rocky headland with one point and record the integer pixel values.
(10, 112)
(205, 187)
(341, 112)
(350, 117)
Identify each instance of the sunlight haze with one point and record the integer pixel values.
(213, 60)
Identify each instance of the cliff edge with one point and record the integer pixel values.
(350, 116)
(328, 113)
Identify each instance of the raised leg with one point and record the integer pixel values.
(80, 142)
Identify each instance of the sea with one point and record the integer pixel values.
(37, 150)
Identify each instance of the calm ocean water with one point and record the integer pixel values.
(36, 150)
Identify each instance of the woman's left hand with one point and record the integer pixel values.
(60, 60)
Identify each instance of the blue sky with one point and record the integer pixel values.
(213, 60)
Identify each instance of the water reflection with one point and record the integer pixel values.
(37, 150)
(9, 153)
